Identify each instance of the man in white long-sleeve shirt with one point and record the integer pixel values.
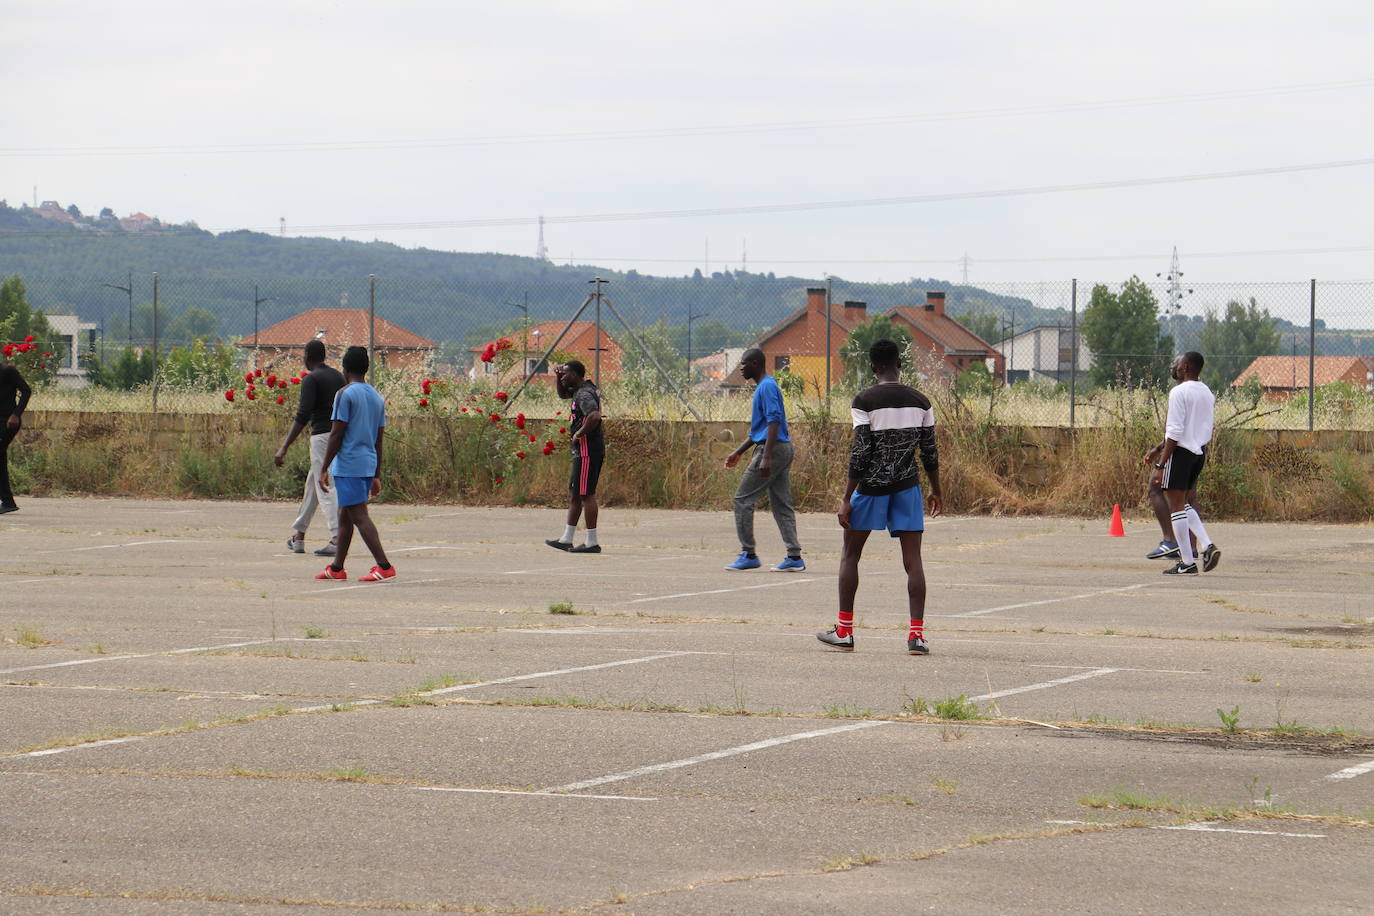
(1178, 462)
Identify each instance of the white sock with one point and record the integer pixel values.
(569, 531)
(591, 537)
(1185, 546)
(1195, 526)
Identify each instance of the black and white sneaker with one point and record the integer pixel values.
(1211, 557)
(1181, 569)
(328, 550)
(1165, 550)
(559, 545)
(831, 638)
(586, 548)
(917, 646)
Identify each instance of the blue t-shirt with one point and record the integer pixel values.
(768, 409)
(360, 406)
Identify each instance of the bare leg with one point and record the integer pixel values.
(851, 553)
(367, 530)
(915, 574)
(589, 504)
(345, 536)
(575, 511)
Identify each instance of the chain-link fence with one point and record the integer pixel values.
(1056, 353)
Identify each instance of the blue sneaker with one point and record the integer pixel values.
(744, 561)
(791, 564)
(1165, 550)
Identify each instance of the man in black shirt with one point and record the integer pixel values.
(588, 453)
(316, 408)
(14, 397)
(892, 422)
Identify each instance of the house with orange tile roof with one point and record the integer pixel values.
(529, 345)
(954, 345)
(1281, 377)
(283, 344)
(797, 343)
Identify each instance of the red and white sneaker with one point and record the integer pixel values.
(377, 574)
(329, 573)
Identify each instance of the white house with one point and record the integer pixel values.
(76, 337)
(1044, 354)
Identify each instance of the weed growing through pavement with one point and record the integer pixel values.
(952, 734)
(1252, 677)
(1230, 721)
(562, 607)
(345, 774)
(314, 632)
(959, 708)
(845, 863)
(947, 786)
(31, 638)
(845, 711)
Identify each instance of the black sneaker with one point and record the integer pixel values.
(328, 550)
(1165, 550)
(559, 545)
(1181, 569)
(843, 643)
(917, 646)
(1211, 557)
(4, 509)
(585, 548)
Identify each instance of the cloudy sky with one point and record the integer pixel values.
(453, 125)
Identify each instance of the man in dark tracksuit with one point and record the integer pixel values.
(14, 397)
(318, 389)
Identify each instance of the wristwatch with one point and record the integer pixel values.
(1159, 467)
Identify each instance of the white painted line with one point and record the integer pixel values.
(713, 755)
(329, 590)
(74, 747)
(543, 569)
(528, 677)
(31, 581)
(1148, 670)
(543, 794)
(721, 591)
(117, 658)
(581, 631)
(1358, 769)
(1012, 607)
(1096, 672)
(1205, 828)
(130, 544)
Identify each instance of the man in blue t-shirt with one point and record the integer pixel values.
(769, 472)
(353, 465)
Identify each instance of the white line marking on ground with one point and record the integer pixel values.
(1358, 769)
(129, 544)
(544, 794)
(118, 658)
(721, 591)
(1209, 828)
(1012, 607)
(1096, 672)
(713, 755)
(329, 590)
(31, 581)
(76, 747)
(1150, 670)
(544, 569)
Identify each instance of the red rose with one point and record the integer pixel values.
(257, 373)
(7, 349)
(558, 413)
(496, 418)
(272, 381)
(562, 429)
(501, 395)
(281, 400)
(549, 444)
(424, 402)
(28, 339)
(295, 381)
(520, 455)
(248, 377)
(424, 386)
(46, 355)
(520, 422)
(40, 366)
(465, 410)
(251, 388)
(503, 344)
(500, 480)
(533, 437)
(251, 395)
(488, 354)
(229, 395)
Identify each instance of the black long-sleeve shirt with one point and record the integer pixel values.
(891, 423)
(14, 391)
(317, 398)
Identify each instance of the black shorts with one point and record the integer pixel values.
(1182, 469)
(586, 468)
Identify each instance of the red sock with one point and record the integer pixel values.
(917, 630)
(846, 624)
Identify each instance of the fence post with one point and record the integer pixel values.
(1073, 343)
(829, 355)
(1312, 355)
(156, 361)
(372, 317)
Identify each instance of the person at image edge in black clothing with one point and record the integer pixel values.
(14, 397)
(588, 453)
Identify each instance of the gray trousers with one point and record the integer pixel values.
(778, 486)
(314, 496)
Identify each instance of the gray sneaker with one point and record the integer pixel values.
(328, 550)
(295, 544)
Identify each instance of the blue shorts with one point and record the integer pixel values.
(352, 491)
(897, 512)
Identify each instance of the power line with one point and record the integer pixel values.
(761, 127)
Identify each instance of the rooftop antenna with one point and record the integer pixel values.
(282, 230)
(541, 251)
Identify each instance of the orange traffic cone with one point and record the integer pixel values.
(1118, 530)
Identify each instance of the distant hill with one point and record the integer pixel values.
(65, 257)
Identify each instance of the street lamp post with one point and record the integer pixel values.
(257, 301)
(691, 317)
(130, 291)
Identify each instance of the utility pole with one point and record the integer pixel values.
(541, 251)
(1173, 303)
(155, 353)
(964, 261)
(829, 354)
(691, 316)
(130, 290)
(596, 350)
(257, 301)
(524, 307)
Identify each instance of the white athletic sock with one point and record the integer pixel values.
(569, 532)
(1195, 526)
(591, 537)
(1185, 546)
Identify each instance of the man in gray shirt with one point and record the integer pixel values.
(318, 389)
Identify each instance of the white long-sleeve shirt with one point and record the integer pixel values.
(1190, 416)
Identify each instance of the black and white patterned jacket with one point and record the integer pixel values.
(891, 422)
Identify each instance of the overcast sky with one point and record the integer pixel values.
(904, 99)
